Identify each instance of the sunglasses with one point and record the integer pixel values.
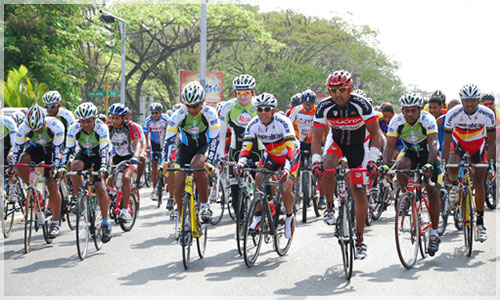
(338, 90)
(245, 93)
(50, 106)
(195, 106)
(155, 112)
(266, 109)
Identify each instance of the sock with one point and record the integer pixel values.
(329, 205)
(105, 222)
(359, 237)
(480, 220)
(434, 232)
(123, 211)
(289, 215)
(55, 223)
(203, 205)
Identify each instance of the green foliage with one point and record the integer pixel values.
(20, 90)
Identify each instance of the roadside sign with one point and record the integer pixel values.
(102, 94)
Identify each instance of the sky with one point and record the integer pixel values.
(440, 44)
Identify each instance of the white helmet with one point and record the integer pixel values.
(35, 118)
(51, 97)
(265, 99)
(193, 93)
(470, 91)
(244, 82)
(86, 110)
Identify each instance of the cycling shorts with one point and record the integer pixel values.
(476, 149)
(185, 154)
(156, 151)
(118, 159)
(275, 163)
(39, 154)
(89, 162)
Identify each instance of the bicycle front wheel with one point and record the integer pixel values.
(217, 202)
(241, 218)
(7, 214)
(281, 242)
(82, 225)
(379, 204)
(133, 210)
(443, 217)
(491, 193)
(407, 231)
(346, 240)
(96, 217)
(253, 237)
(28, 221)
(201, 242)
(468, 220)
(186, 236)
(159, 189)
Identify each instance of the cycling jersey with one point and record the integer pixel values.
(302, 123)
(122, 138)
(235, 116)
(277, 137)
(384, 128)
(194, 132)
(348, 122)
(156, 129)
(8, 131)
(65, 116)
(414, 137)
(52, 136)
(94, 143)
(469, 130)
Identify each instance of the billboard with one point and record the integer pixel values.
(213, 84)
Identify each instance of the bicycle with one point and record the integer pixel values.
(148, 170)
(88, 215)
(191, 225)
(36, 210)
(491, 192)
(306, 193)
(218, 192)
(412, 222)
(115, 196)
(344, 227)
(160, 183)
(270, 226)
(8, 208)
(467, 205)
(68, 204)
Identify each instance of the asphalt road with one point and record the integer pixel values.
(148, 262)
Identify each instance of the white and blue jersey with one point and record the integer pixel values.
(156, 129)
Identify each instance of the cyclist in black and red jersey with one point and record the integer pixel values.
(353, 126)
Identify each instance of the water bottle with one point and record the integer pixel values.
(119, 180)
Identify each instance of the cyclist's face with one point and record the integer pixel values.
(387, 117)
(265, 116)
(308, 106)
(195, 109)
(490, 104)
(340, 96)
(435, 109)
(156, 114)
(244, 96)
(87, 124)
(411, 113)
(470, 105)
(117, 121)
(52, 109)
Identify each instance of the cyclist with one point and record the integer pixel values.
(125, 137)
(235, 116)
(488, 100)
(302, 118)
(155, 127)
(418, 131)
(46, 135)
(103, 118)
(92, 137)
(282, 151)
(440, 123)
(9, 129)
(18, 117)
(295, 101)
(143, 146)
(353, 125)
(465, 130)
(52, 101)
(384, 121)
(437, 110)
(198, 126)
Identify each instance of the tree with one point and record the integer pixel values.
(20, 90)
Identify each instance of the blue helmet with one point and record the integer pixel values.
(118, 109)
(156, 106)
(308, 96)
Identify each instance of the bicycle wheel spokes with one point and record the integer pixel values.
(133, 210)
(281, 242)
(467, 217)
(82, 225)
(28, 221)
(241, 219)
(186, 233)
(406, 231)
(253, 238)
(346, 241)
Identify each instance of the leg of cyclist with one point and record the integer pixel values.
(24, 172)
(331, 161)
(452, 173)
(154, 172)
(198, 161)
(140, 169)
(434, 211)
(180, 178)
(126, 190)
(478, 182)
(55, 205)
(104, 205)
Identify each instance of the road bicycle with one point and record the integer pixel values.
(270, 226)
(116, 195)
(412, 222)
(36, 210)
(344, 227)
(218, 193)
(191, 225)
(467, 206)
(491, 192)
(68, 204)
(88, 215)
(306, 191)
(8, 209)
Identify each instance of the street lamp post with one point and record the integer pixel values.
(109, 18)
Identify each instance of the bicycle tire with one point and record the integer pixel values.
(177, 231)
(241, 217)
(305, 196)
(491, 193)
(281, 243)
(468, 220)
(186, 236)
(445, 211)
(230, 210)
(315, 196)
(406, 222)
(217, 204)
(253, 238)
(7, 216)
(28, 221)
(346, 240)
(424, 236)
(159, 189)
(82, 225)
(96, 218)
(369, 215)
(380, 202)
(201, 242)
(133, 210)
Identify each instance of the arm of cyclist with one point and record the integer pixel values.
(248, 142)
(376, 143)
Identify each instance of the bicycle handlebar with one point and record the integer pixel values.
(413, 171)
(186, 169)
(32, 165)
(345, 171)
(83, 172)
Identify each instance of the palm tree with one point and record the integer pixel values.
(20, 90)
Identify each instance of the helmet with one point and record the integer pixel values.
(359, 92)
(339, 78)
(296, 100)
(51, 97)
(192, 93)
(169, 113)
(308, 96)
(487, 97)
(410, 99)
(18, 117)
(469, 91)
(35, 118)
(156, 106)
(176, 107)
(118, 109)
(265, 99)
(102, 117)
(244, 82)
(86, 110)
(438, 93)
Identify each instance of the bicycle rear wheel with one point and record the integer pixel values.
(159, 189)
(241, 218)
(96, 217)
(305, 195)
(28, 221)
(133, 210)
(8, 211)
(217, 202)
(406, 231)
(380, 199)
(468, 222)
(443, 217)
(281, 243)
(372, 196)
(491, 193)
(186, 236)
(82, 225)
(253, 238)
(424, 222)
(346, 240)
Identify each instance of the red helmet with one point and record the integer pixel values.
(339, 78)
